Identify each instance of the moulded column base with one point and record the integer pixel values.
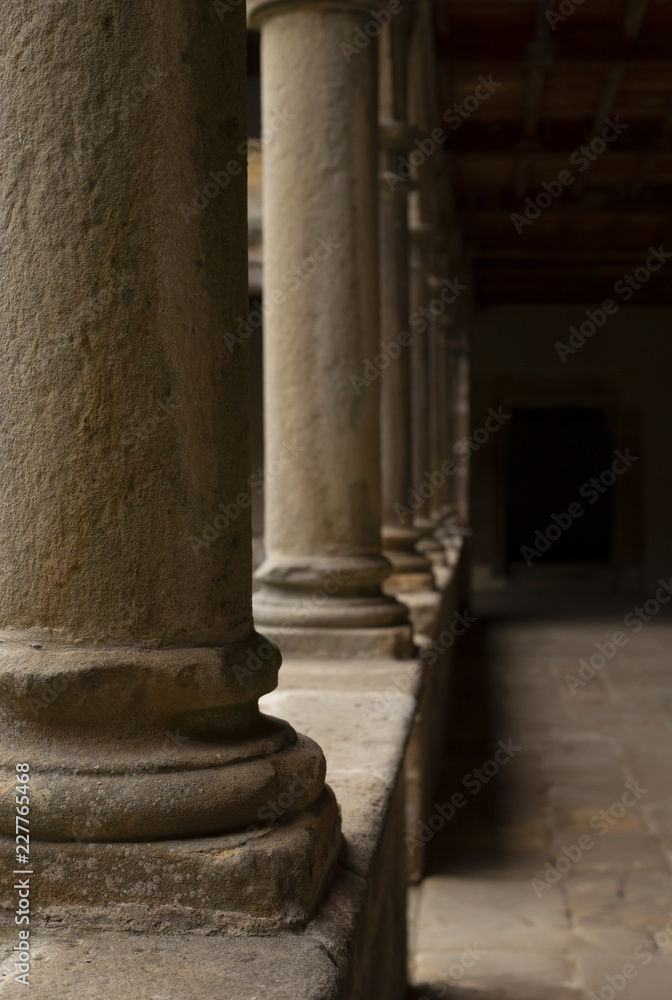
(389, 642)
(423, 606)
(409, 583)
(411, 570)
(262, 879)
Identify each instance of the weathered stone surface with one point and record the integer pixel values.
(108, 769)
(347, 642)
(353, 947)
(256, 881)
(105, 965)
(129, 667)
(410, 569)
(124, 408)
(323, 566)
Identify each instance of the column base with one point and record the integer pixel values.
(327, 596)
(255, 881)
(423, 606)
(407, 582)
(411, 571)
(136, 744)
(427, 543)
(392, 642)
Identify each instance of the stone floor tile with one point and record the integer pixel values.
(607, 974)
(613, 905)
(505, 914)
(501, 975)
(615, 850)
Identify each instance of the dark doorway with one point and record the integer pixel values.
(552, 455)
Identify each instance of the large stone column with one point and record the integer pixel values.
(321, 579)
(129, 667)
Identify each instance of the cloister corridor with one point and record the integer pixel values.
(552, 880)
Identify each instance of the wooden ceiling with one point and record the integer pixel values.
(559, 81)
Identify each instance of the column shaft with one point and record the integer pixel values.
(411, 570)
(125, 555)
(323, 566)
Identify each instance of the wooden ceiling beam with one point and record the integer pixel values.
(469, 66)
(599, 45)
(555, 136)
(560, 256)
(605, 106)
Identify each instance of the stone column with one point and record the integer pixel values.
(321, 579)
(412, 571)
(421, 240)
(129, 667)
(462, 408)
(444, 433)
(439, 395)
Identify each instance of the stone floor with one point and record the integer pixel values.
(552, 879)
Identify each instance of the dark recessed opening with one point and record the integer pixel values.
(552, 456)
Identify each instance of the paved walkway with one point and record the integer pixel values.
(552, 880)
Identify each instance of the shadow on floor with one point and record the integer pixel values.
(439, 992)
(472, 730)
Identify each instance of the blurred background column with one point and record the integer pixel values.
(412, 571)
(323, 570)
